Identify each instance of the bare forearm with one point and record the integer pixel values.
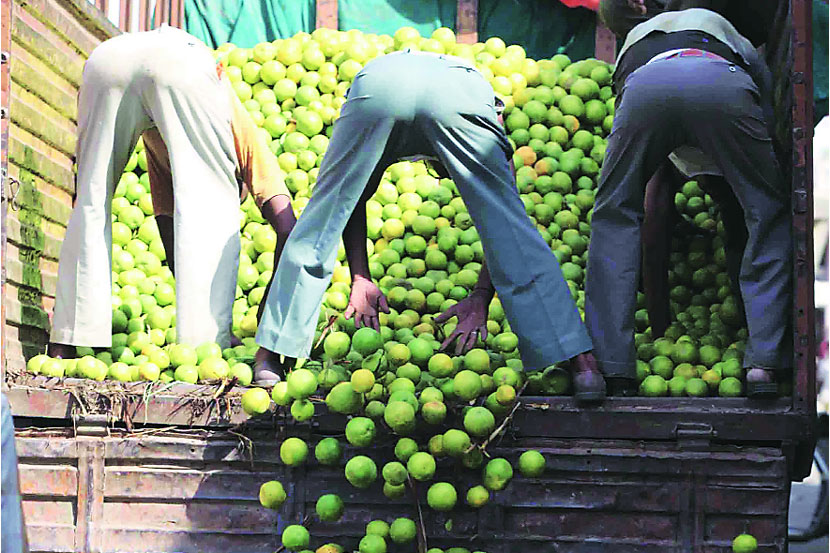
(484, 285)
(354, 235)
(277, 211)
(354, 240)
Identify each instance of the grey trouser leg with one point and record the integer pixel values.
(739, 143)
(464, 132)
(407, 104)
(712, 105)
(357, 146)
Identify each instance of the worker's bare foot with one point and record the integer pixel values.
(268, 370)
(760, 383)
(589, 384)
(60, 350)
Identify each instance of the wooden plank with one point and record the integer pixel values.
(159, 14)
(143, 19)
(466, 22)
(90, 18)
(86, 496)
(193, 515)
(38, 79)
(17, 274)
(124, 15)
(24, 152)
(177, 448)
(28, 236)
(48, 480)
(5, 88)
(39, 445)
(177, 13)
(25, 312)
(802, 190)
(67, 64)
(648, 527)
(181, 541)
(22, 342)
(36, 116)
(96, 489)
(63, 24)
(42, 403)
(327, 14)
(175, 483)
(46, 537)
(55, 203)
(57, 513)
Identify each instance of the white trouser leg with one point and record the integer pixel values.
(192, 111)
(110, 119)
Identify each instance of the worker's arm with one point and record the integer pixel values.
(161, 188)
(659, 219)
(366, 301)
(471, 312)
(472, 315)
(263, 178)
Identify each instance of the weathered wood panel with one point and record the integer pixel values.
(49, 43)
(198, 491)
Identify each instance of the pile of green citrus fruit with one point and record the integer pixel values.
(424, 251)
(425, 255)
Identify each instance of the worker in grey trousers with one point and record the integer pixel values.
(709, 100)
(416, 103)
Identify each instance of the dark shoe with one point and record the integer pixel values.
(622, 387)
(588, 382)
(761, 384)
(267, 368)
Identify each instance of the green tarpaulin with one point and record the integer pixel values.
(386, 16)
(247, 22)
(542, 27)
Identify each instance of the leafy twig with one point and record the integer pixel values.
(326, 330)
(504, 423)
(247, 443)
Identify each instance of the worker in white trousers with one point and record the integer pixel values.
(201, 144)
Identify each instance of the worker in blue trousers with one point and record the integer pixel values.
(400, 105)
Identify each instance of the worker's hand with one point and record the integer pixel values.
(472, 321)
(637, 5)
(366, 302)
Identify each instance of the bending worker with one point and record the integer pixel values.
(200, 142)
(398, 106)
(689, 78)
